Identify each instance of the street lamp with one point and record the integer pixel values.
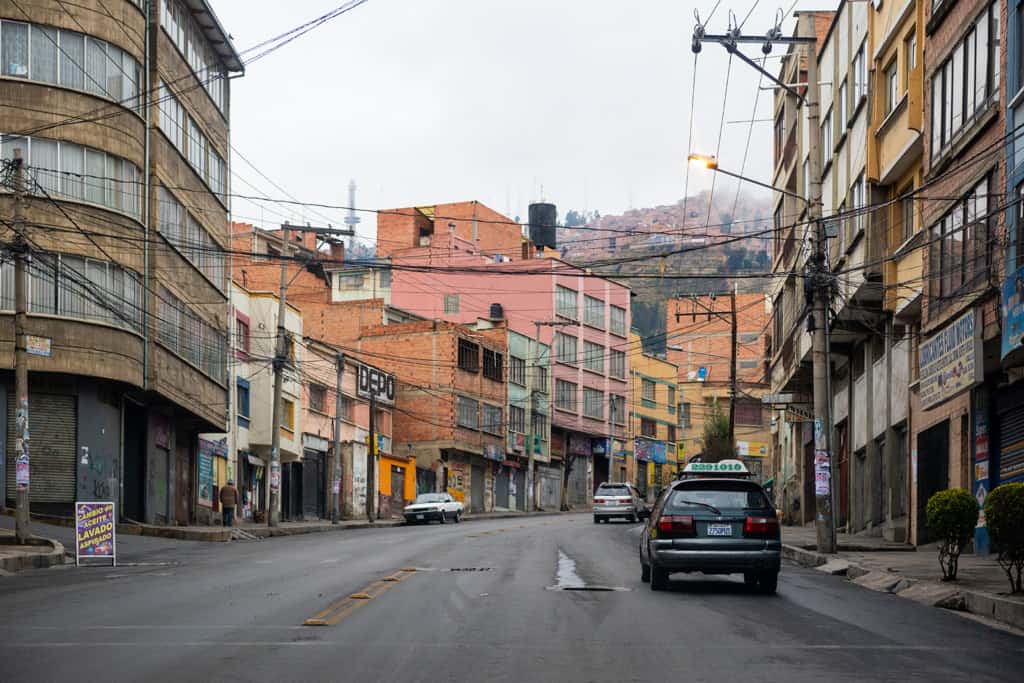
(710, 162)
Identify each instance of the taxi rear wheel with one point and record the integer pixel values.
(659, 579)
(768, 583)
(645, 573)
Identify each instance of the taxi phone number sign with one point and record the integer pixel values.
(95, 533)
(723, 466)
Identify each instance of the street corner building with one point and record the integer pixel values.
(125, 227)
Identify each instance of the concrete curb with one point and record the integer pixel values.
(48, 557)
(933, 593)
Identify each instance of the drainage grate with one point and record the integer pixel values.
(470, 569)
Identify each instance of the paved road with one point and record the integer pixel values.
(479, 608)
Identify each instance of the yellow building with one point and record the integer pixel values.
(653, 420)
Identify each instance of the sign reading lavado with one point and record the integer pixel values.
(950, 361)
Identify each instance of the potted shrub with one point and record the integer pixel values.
(1004, 517)
(952, 516)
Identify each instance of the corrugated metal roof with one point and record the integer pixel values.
(219, 39)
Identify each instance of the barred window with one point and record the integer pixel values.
(469, 356)
(617, 364)
(492, 419)
(516, 419)
(565, 395)
(317, 397)
(493, 365)
(467, 412)
(647, 390)
(517, 371)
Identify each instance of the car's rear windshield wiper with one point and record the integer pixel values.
(703, 505)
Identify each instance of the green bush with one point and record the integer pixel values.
(952, 516)
(1004, 517)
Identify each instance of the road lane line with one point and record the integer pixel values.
(342, 607)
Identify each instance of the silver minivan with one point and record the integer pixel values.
(619, 499)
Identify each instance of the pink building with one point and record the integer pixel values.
(585, 319)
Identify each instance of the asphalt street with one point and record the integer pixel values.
(483, 604)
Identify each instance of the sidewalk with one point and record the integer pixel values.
(39, 553)
(981, 587)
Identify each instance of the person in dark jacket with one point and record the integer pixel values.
(228, 502)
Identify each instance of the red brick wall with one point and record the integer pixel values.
(399, 229)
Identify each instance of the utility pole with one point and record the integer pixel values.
(371, 453)
(822, 287)
(22, 529)
(732, 371)
(280, 360)
(280, 356)
(335, 467)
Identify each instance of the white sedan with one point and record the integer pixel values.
(433, 506)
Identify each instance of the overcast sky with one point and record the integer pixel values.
(426, 101)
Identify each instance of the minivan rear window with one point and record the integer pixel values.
(613, 490)
(718, 494)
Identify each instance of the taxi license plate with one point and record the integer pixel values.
(719, 530)
(419, 516)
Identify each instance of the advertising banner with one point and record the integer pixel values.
(206, 480)
(95, 533)
(950, 361)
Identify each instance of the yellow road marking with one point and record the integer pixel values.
(341, 608)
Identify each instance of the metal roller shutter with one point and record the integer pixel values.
(1011, 443)
(53, 433)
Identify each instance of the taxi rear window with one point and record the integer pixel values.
(613, 490)
(717, 494)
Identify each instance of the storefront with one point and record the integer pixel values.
(396, 484)
(251, 488)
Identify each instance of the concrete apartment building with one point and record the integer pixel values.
(698, 330)
(652, 451)
(959, 408)
(132, 361)
(583, 318)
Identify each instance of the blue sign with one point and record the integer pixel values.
(1013, 313)
(702, 374)
(648, 450)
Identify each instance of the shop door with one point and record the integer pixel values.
(182, 485)
(843, 456)
(501, 488)
(313, 485)
(600, 472)
(521, 492)
(932, 471)
(133, 505)
(476, 488)
(397, 490)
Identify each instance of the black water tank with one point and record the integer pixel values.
(497, 313)
(543, 218)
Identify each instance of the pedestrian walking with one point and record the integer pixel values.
(228, 501)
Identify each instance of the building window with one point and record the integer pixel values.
(565, 395)
(542, 379)
(617, 409)
(906, 213)
(451, 303)
(1020, 44)
(287, 415)
(242, 409)
(965, 83)
(565, 348)
(346, 408)
(617, 364)
(780, 134)
(469, 356)
(353, 281)
(910, 59)
(186, 136)
(684, 416)
(959, 249)
(242, 340)
(671, 399)
(670, 436)
(493, 365)
(186, 34)
(826, 137)
(565, 302)
(467, 410)
(860, 75)
(844, 117)
(539, 425)
(748, 413)
(517, 371)
(648, 428)
(892, 87)
(491, 419)
(593, 357)
(617, 318)
(192, 240)
(317, 397)
(593, 312)
(593, 403)
(516, 420)
(647, 390)
(855, 224)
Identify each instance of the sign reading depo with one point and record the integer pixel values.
(376, 384)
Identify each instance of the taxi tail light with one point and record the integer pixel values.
(677, 524)
(761, 527)
(599, 500)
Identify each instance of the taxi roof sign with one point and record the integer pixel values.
(734, 467)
